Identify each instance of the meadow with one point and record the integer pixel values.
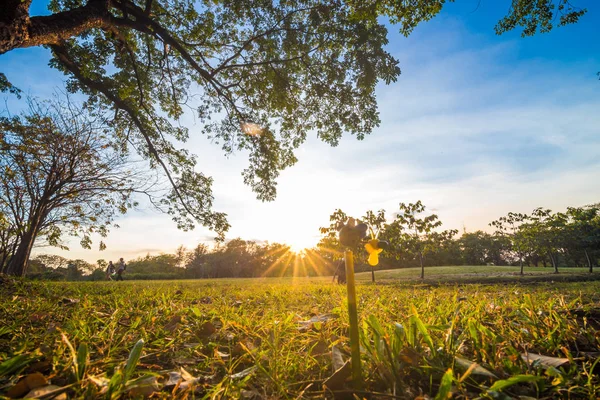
(288, 339)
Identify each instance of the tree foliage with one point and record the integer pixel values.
(60, 174)
(259, 75)
(560, 239)
(414, 231)
(539, 15)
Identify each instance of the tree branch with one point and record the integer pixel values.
(61, 53)
(23, 31)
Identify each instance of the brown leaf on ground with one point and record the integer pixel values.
(25, 385)
(306, 325)
(145, 387)
(338, 380)
(183, 380)
(173, 323)
(221, 355)
(40, 366)
(318, 348)
(47, 392)
(18, 390)
(544, 361)
(409, 356)
(338, 360)
(206, 329)
(68, 301)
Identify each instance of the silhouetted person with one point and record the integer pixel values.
(121, 267)
(110, 271)
(340, 272)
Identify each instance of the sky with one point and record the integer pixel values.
(477, 125)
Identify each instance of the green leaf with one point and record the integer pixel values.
(196, 311)
(133, 359)
(445, 391)
(513, 380)
(81, 360)
(14, 364)
(424, 332)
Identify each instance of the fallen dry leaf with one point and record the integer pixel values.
(473, 367)
(25, 385)
(338, 380)
(173, 323)
(40, 366)
(183, 380)
(337, 358)
(244, 373)
(206, 329)
(68, 301)
(145, 387)
(544, 361)
(306, 325)
(47, 392)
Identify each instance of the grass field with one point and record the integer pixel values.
(475, 273)
(270, 339)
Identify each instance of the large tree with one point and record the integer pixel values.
(413, 231)
(260, 74)
(583, 230)
(513, 229)
(546, 230)
(59, 174)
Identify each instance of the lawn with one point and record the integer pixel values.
(282, 339)
(479, 273)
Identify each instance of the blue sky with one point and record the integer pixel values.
(476, 126)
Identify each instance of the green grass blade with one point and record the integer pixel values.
(513, 380)
(14, 364)
(82, 360)
(424, 332)
(445, 391)
(133, 359)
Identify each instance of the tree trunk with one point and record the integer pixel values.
(553, 262)
(521, 263)
(422, 266)
(587, 256)
(17, 265)
(372, 274)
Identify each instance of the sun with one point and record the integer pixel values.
(299, 245)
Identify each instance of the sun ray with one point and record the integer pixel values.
(277, 263)
(315, 267)
(332, 251)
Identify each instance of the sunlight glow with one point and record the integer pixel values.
(306, 262)
(299, 245)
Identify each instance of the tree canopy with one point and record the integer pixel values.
(259, 75)
(59, 174)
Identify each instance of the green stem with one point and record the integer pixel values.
(352, 311)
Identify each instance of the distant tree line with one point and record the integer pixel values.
(236, 258)
(541, 239)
